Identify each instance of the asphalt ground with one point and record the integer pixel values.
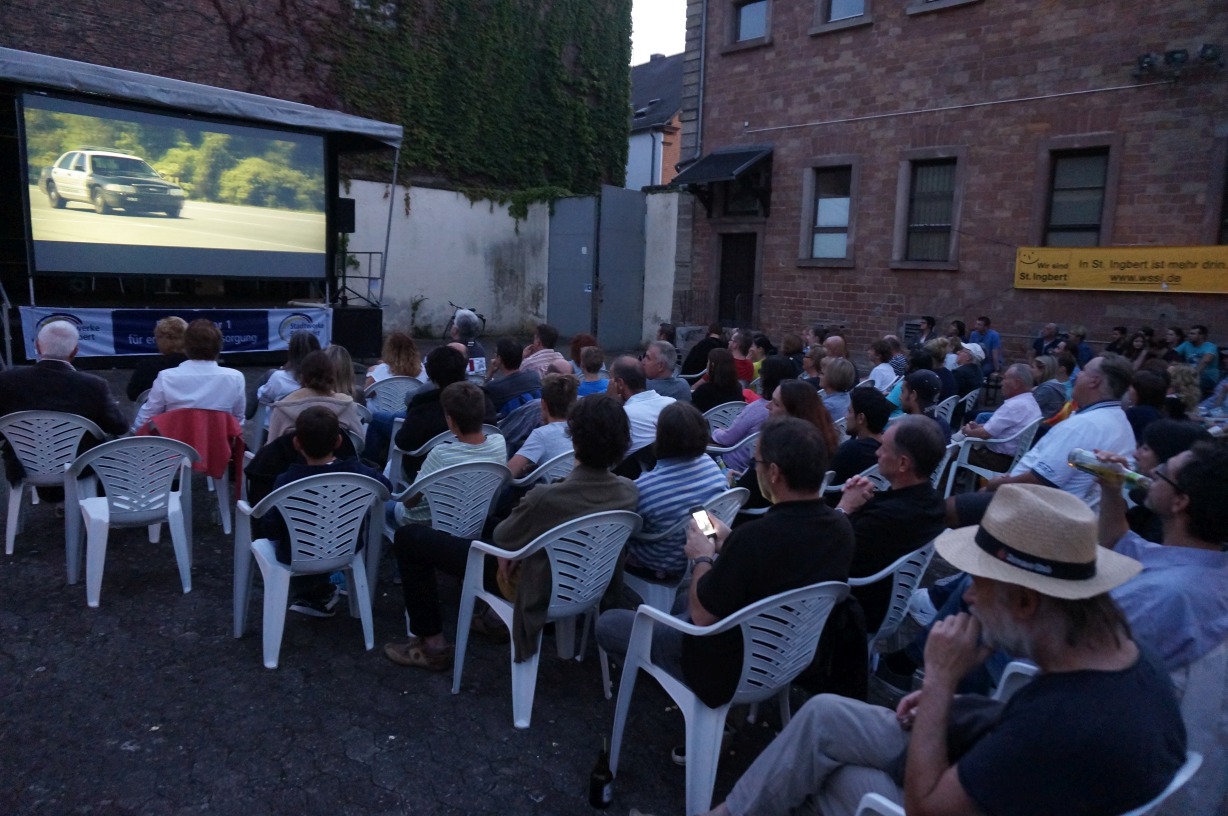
(148, 705)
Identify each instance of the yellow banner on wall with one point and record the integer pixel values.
(1124, 269)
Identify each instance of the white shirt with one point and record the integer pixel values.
(380, 372)
(280, 383)
(1010, 418)
(546, 442)
(195, 384)
(642, 412)
(1100, 426)
(883, 376)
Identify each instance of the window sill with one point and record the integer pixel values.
(828, 263)
(746, 45)
(841, 25)
(922, 7)
(921, 266)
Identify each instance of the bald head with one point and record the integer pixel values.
(835, 346)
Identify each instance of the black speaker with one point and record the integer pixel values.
(343, 214)
(360, 329)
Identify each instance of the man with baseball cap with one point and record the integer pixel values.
(1097, 732)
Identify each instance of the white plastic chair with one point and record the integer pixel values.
(905, 575)
(871, 473)
(779, 638)
(969, 400)
(1025, 437)
(936, 476)
(583, 554)
(660, 594)
(1016, 675)
(723, 415)
(324, 518)
(44, 442)
(389, 395)
(137, 473)
(944, 410)
(395, 470)
(720, 451)
(459, 498)
(553, 469)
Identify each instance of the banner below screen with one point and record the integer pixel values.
(1124, 269)
(119, 332)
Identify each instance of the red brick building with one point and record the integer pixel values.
(890, 158)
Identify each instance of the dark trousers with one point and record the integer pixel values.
(421, 552)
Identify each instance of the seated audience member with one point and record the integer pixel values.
(549, 439)
(463, 406)
(761, 347)
(1138, 349)
(1119, 341)
(318, 377)
(1162, 440)
(317, 438)
(837, 381)
(990, 342)
(511, 386)
(600, 435)
(168, 335)
(891, 524)
(1183, 394)
(343, 366)
(720, 385)
(697, 358)
(796, 399)
(812, 365)
(1203, 356)
(281, 381)
(740, 345)
(865, 420)
(1144, 401)
(198, 382)
(424, 414)
(775, 370)
(540, 357)
(399, 358)
(684, 477)
(1017, 411)
(1049, 394)
(667, 332)
(957, 331)
(1047, 342)
(1101, 707)
(1099, 424)
(791, 347)
(1067, 372)
(52, 384)
(919, 360)
(593, 380)
(882, 375)
(917, 398)
(835, 346)
(937, 349)
(1076, 344)
(926, 333)
(465, 328)
(658, 363)
(798, 542)
(968, 376)
(577, 346)
(643, 405)
(898, 360)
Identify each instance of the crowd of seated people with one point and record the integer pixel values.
(1108, 592)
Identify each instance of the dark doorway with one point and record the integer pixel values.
(735, 297)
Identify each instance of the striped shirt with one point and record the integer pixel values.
(667, 494)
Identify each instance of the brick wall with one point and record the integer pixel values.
(899, 69)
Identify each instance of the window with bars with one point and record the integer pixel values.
(832, 212)
(931, 207)
(1077, 182)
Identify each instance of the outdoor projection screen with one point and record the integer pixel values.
(115, 191)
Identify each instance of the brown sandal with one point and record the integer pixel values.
(415, 653)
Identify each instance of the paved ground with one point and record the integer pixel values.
(148, 706)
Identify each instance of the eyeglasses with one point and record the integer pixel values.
(1161, 472)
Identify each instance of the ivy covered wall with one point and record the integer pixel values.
(498, 97)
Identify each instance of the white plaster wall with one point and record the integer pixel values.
(643, 154)
(660, 249)
(445, 248)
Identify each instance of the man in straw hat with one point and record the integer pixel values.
(1097, 732)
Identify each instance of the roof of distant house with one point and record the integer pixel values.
(656, 92)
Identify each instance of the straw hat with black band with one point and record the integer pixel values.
(1041, 538)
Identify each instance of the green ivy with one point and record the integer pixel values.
(514, 101)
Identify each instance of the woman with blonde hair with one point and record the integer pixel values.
(343, 365)
(1049, 393)
(399, 358)
(1183, 392)
(168, 336)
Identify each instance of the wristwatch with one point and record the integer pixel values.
(704, 559)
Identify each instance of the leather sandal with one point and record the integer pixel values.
(415, 653)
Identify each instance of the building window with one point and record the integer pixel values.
(837, 10)
(1077, 184)
(833, 188)
(931, 210)
(752, 21)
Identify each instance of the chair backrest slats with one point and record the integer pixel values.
(388, 395)
(45, 441)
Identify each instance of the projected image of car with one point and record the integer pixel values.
(110, 180)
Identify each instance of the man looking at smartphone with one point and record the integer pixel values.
(798, 542)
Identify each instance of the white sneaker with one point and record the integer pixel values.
(921, 608)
